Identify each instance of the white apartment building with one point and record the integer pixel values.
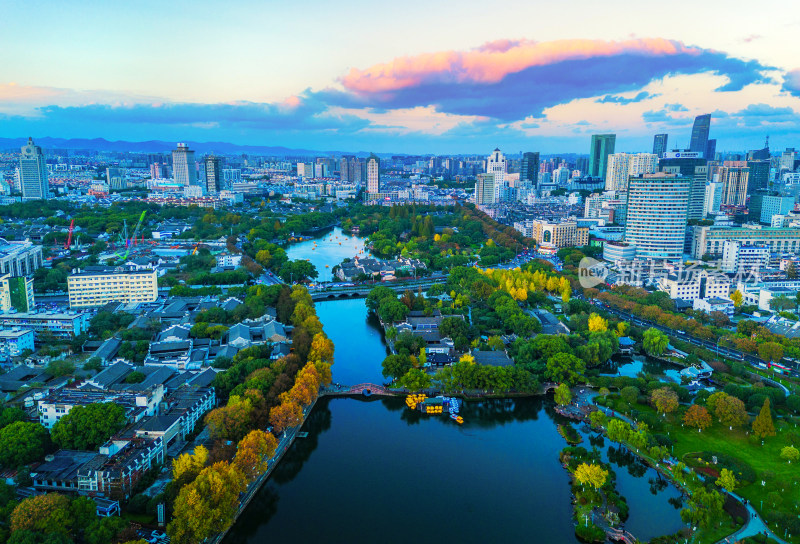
(713, 198)
(373, 174)
(741, 258)
(623, 165)
(695, 285)
(95, 288)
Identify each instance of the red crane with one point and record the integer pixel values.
(69, 238)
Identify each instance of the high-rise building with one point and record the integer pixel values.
(622, 165)
(788, 159)
(660, 144)
(711, 149)
(692, 166)
(699, 141)
(115, 178)
(734, 176)
(184, 168)
(373, 174)
(344, 169)
(16, 293)
(656, 215)
(713, 197)
(484, 190)
(582, 164)
(33, 172)
(529, 168)
(497, 165)
(356, 171)
(602, 147)
(95, 288)
(213, 174)
(758, 179)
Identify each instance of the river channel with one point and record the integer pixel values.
(371, 470)
(330, 248)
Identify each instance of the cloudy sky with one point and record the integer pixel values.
(414, 76)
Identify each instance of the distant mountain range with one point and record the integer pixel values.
(159, 146)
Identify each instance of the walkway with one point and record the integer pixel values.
(754, 526)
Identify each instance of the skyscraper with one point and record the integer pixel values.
(711, 149)
(497, 166)
(373, 174)
(694, 168)
(213, 174)
(344, 169)
(699, 141)
(184, 169)
(758, 178)
(734, 176)
(33, 173)
(529, 168)
(602, 147)
(356, 170)
(656, 220)
(660, 144)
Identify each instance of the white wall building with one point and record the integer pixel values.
(496, 165)
(740, 258)
(33, 172)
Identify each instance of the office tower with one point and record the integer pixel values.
(713, 198)
(734, 176)
(497, 165)
(622, 165)
(699, 141)
(711, 149)
(184, 169)
(759, 175)
(373, 174)
(213, 174)
(582, 164)
(33, 172)
(656, 218)
(660, 144)
(693, 167)
(529, 168)
(602, 147)
(484, 190)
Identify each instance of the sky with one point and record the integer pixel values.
(406, 77)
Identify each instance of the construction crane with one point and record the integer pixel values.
(69, 237)
(129, 242)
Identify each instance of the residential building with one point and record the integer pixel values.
(60, 324)
(228, 260)
(373, 174)
(710, 239)
(14, 341)
(692, 166)
(623, 165)
(714, 304)
(484, 190)
(184, 168)
(713, 198)
(761, 293)
(692, 285)
(119, 466)
(16, 293)
(602, 146)
(92, 288)
(137, 404)
(33, 173)
(115, 178)
(740, 258)
(700, 130)
(660, 144)
(734, 176)
(656, 215)
(213, 168)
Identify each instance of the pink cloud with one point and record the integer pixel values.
(493, 61)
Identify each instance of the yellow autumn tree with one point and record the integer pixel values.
(597, 323)
(591, 474)
(208, 505)
(253, 453)
(321, 348)
(285, 415)
(189, 465)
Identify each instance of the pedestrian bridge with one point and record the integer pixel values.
(366, 389)
(356, 291)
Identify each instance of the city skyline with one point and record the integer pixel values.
(465, 89)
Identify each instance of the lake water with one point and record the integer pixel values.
(329, 249)
(632, 366)
(371, 470)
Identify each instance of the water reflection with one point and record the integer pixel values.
(631, 367)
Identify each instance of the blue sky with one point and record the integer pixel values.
(417, 77)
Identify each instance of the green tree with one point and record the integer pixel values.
(790, 453)
(629, 394)
(665, 400)
(770, 351)
(655, 342)
(88, 427)
(564, 368)
(730, 411)
(416, 380)
(763, 425)
(22, 443)
(395, 366)
(563, 395)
